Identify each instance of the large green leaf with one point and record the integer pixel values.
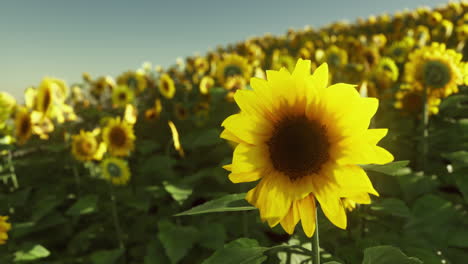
(222, 204)
(240, 251)
(85, 205)
(33, 253)
(178, 193)
(106, 256)
(391, 168)
(387, 255)
(391, 206)
(176, 240)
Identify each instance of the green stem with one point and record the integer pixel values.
(315, 242)
(12, 171)
(115, 217)
(77, 179)
(425, 130)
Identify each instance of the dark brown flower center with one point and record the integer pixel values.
(85, 147)
(298, 147)
(118, 137)
(122, 96)
(165, 86)
(46, 101)
(25, 125)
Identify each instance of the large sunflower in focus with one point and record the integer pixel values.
(303, 141)
(233, 65)
(436, 68)
(119, 137)
(86, 147)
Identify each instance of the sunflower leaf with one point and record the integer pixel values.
(85, 205)
(242, 250)
(223, 204)
(390, 168)
(387, 255)
(33, 253)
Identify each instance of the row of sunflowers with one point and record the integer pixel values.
(95, 172)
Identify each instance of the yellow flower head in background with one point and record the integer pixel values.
(180, 111)
(410, 101)
(102, 84)
(155, 112)
(7, 105)
(166, 86)
(119, 137)
(303, 141)
(23, 125)
(437, 68)
(122, 95)
(116, 171)
(135, 80)
(205, 84)
(45, 96)
(233, 65)
(4, 228)
(399, 50)
(86, 147)
(336, 57)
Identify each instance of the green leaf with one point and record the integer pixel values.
(85, 205)
(391, 168)
(212, 235)
(459, 238)
(461, 179)
(387, 255)
(45, 206)
(176, 240)
(391, 206)
(332, 262)
(179, 194)
(240, 251)
(219, 205)
(34, 253)
(207, 138)
(106, 256)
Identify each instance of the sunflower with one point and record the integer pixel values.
(282, 61)
(399, 50)
(122, 95)
(336, 56)
(44, 97)
(303, 141)
(101, 85)
(135, 80)
(7, 105)
(201, 65)
(86, 147)
(155, 112)
(116, 171)
(438, 69)
(23, 125)
(205, 84)
(4, 228)
(233, 65)
(410, 101)
(119, 137)
(166, 86)
(180, 111)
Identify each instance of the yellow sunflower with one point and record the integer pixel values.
(135, 80)
(399, 50)
(102, 84)
(410, 101)
(303, 141)
(44, 97)
(205, 85)
(336, 57)
(201, 65)
(23, 125)
(122, 95)
(155, 112)
(4, 228)
(180, 111)
(116, 171)
(438, 69)
(167, 86)
(233, 65)
(119, 137)
(86, 147)
(7, 105)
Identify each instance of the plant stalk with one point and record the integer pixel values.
(315, 242)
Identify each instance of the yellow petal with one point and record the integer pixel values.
(253, 105)
(228, 167)
(302, 69)
(352, 179)
(273, 203)
(308, 214)
(331, 205)
(247, 158)
(245, 176)
(246, 129)
(226, 134)
(291, 219)
(320, 77)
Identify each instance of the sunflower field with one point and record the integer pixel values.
(344, 144)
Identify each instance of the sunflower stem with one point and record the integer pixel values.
(425, 129)
(77, 180)
(315, 242)
(12, 171)
(115, 217)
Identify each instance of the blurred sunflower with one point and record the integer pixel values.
(4, 228)
(86, 147)
(336, 57)
(410, 101)
(7, 105)
(115, 170)
(44, 97)
(122, 95)
(166, 86)
(41, 126)
(134, 80)
(180, 111)
(23, 125)
(399, 50)
(101, 85)
(232, 65)
(205, 84)
(385, 73)
(155, 112)
(303, 141)
(437, 68)
(119, 137)
(201, 65)
(282, 60)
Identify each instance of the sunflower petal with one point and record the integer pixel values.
(353, 179)
(331, 205)
(245, 128)
(308, 214)
(245, 176)
(291, 219)
(302, 69)
(320, 77)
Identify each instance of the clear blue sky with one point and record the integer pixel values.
(65, 38)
